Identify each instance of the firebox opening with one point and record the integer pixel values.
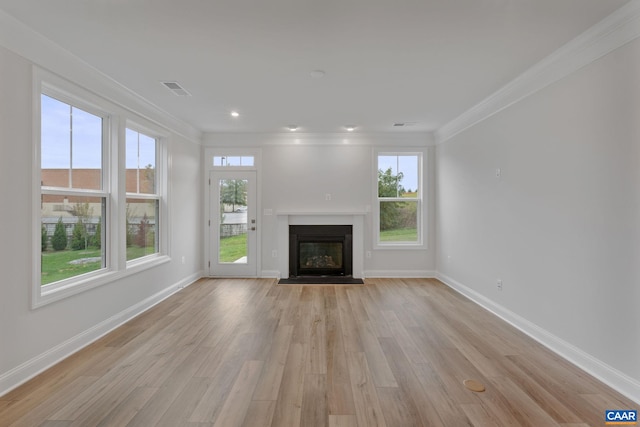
(320, 250)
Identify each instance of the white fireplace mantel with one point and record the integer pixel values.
(353, 218)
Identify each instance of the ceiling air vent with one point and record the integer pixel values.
(176, 88)
(401, 124)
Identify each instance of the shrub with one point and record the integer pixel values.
(78, 241)
(96, 241)
(143, 228)
(44, 238)
(59, 239)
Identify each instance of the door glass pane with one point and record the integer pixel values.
(233, 221)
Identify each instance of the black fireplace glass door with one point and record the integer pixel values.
(321, 255)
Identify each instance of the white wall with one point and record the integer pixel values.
(561, 226)
(298, 171)
(31, 339)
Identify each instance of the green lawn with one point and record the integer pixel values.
(399, 235)
(233, 248)
(56, 264)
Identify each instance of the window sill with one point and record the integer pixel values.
(84, 283)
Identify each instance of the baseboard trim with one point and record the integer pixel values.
(615, 379)
(29, 369)
(400, 274)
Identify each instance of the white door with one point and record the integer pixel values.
(233, 225)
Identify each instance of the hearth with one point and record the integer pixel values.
(320, 250)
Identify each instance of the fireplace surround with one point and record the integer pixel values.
(320, 250)
(285, 218)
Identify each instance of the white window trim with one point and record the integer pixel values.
(161, 193)
(421, 244)
(116, 266)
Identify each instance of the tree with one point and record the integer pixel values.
(59, 239)
(143, 228)
(233, 192)
(44, 238)
(389, 186)
(97, 238)
(79, 236)
(129, 226)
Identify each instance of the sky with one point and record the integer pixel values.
(69, 134)
(408, 165)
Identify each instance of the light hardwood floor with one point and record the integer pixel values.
(236, 352)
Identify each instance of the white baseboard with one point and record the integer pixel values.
(400, 274)
(29, 369)
(610, 376)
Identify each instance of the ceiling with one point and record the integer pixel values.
(421, 62)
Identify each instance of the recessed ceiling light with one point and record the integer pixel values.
(235, 114)
(350, 128)
(292, 128)
(317, 74)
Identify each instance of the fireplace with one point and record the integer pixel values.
(320, 250)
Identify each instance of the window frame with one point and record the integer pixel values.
(159, 195)
(420, 198)
(115, 120)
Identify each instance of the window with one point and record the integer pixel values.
(399, 199)
(92, 188)
(233, 161)
(73, 201)
(143, 198)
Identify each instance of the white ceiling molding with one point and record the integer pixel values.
(235, 139)
(39, 50)
(616, 30)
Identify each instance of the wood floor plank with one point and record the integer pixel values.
(382, 375)
(289, 403)
(342, 421)
(259, 413)
(365, 396)
(223, 377)
(352, 342)
(339, 394)
(398, 408)
(414, 399)
(29, 413)
(122, 414)
(314, 411)
(269, 383)
(250, 352)
(237, 402)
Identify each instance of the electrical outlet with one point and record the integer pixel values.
(327, 196)
(368, 254)
(184, 259)
(499, 283)
(274, 253)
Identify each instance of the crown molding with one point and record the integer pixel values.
(412, 139)
(619, 28)
(44, 53)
